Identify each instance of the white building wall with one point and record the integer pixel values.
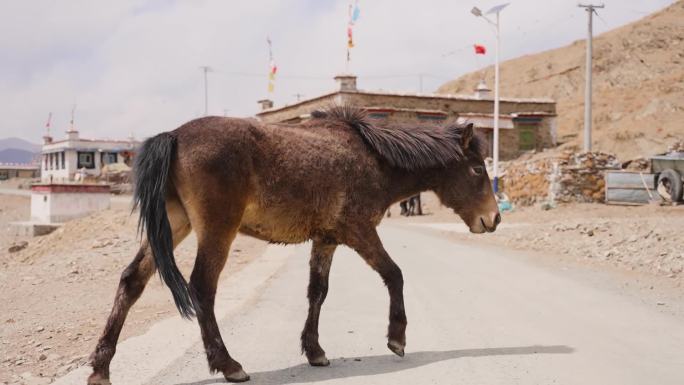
(71, 148)
(71, 162)
(57, 173)
(59, 207)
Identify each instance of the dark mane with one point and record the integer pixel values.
(405, 147)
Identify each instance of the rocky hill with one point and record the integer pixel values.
(638, 85)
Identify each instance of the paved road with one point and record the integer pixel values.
(475, 317)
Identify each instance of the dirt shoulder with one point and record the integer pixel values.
(57, 292)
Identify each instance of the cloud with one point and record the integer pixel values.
(132, 66)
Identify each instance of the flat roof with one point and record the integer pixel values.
(82, 144)
(19, 166)
(405, 94)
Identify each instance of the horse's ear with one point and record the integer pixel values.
(466, 135)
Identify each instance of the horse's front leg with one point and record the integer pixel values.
(367, 243)
(321, 258)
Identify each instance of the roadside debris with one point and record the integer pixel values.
(21, 245)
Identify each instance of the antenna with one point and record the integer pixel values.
(205, 70)
(73, 115)
(47, 125)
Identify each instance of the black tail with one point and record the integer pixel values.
(151, 170)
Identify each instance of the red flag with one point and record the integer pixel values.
(480, 49)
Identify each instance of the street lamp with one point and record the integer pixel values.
(478, 13)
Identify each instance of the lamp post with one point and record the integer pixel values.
(495, 10)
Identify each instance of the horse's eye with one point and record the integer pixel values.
(478, 170)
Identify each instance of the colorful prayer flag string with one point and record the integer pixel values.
(353, 17)
(272, 67)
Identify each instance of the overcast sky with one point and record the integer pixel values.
(132, 66)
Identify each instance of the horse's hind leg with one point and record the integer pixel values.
(321, 258)
(131, 285)
(212, 252)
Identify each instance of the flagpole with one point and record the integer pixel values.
(496, 108)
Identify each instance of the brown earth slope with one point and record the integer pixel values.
(638, 85)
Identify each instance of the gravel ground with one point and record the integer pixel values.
(644, 239)
(57, 292)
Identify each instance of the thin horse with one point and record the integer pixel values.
(328, 180)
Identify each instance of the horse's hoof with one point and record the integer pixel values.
(237, 376)
(319, 361)
(396, 348)
(97, 379)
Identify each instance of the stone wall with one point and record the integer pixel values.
(562, 175)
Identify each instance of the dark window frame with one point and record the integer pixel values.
(106, 156)
(429, 116)
(80, 164)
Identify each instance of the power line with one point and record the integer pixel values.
(323, 77)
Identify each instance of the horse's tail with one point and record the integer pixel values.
(151, 172)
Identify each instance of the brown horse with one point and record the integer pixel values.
(328, 180)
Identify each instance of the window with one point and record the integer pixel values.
(108, 158)
(527, 137)
(63, 162)
(431, 116)
(86, 160)
(378, 115)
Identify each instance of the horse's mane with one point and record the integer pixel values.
(410, 148)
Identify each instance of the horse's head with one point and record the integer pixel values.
(464, 185)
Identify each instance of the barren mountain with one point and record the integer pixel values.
(19, 144)
(638, 85)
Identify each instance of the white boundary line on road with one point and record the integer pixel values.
(139, 359)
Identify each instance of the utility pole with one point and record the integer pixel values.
(478, 13)
(205, 70)
(591, 9)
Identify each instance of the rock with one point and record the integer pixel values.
(64, 369)
(100, 243)
(53, 357)
(18, 247)
(42, 357)
(40, 329)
